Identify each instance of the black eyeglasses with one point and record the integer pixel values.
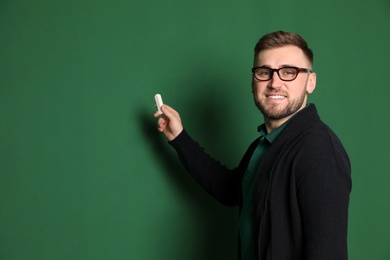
(284, 73)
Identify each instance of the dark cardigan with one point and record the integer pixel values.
(301, 192)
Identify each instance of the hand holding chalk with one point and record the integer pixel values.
(170, 123)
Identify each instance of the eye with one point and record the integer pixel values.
(263, 72)
(288, 71)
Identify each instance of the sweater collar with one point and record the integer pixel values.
(272, 136)
(302, 121)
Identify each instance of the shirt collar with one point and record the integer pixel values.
(271, 136)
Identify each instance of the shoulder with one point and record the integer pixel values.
(319, 153)
(306, 130)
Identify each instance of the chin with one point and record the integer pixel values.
(275, 112)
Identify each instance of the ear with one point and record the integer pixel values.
(311, 83)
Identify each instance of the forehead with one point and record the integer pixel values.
(286, 55)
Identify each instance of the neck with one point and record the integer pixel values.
(272, 124)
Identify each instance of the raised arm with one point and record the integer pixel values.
(218, 180)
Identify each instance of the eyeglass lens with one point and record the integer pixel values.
(286, 73)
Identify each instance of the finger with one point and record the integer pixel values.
(169, 112)
(157, 114)
(161, 124)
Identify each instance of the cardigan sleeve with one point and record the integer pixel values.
(222, 183)
(323, 195)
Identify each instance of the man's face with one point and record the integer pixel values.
(279, 99)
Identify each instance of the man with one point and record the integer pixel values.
(292, 185)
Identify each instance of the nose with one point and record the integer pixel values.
(275, 82)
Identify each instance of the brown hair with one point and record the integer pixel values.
(280, 39)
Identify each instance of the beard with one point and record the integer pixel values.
(275, 111)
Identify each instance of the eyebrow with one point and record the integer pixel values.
(281, 66)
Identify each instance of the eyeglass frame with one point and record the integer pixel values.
(277, 71)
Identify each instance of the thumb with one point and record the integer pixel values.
(169, 112)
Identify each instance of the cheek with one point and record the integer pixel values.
(253, 85)
(255, 88)
(258, 86)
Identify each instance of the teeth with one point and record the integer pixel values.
(275, 97)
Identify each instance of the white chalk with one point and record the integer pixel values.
(159, 103)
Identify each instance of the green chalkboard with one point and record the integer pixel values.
(84, 174)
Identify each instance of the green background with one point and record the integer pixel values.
(84, 174)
